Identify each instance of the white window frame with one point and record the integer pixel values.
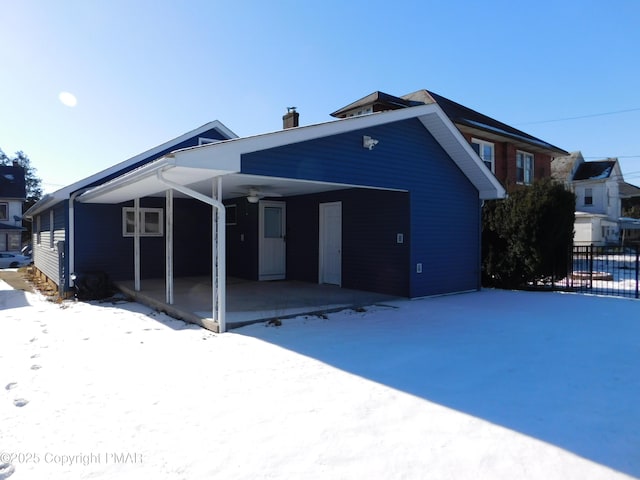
(521, 164)
(6, 210)
(481, 144)
(588, 194)
(144, 231)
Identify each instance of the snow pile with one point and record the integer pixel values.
(489, 385)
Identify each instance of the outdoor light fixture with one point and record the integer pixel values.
(368, 142)
(253, 198)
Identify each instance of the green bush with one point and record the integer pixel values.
(527, 237)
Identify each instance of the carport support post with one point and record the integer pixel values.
(218, 274)
(218, 264)
(169, 247)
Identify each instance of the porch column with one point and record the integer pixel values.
(218, 256)
(169, 246)
(136, 244)
(218, 274)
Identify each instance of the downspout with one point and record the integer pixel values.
(72, 237)
(219, 276)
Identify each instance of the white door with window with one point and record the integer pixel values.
(330, 265)
(272, 248)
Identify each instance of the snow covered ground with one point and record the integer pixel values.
(487, 385)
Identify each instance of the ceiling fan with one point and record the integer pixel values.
(254, 194)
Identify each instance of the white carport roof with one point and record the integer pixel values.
(196, 167)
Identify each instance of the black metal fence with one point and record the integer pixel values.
(605, 270)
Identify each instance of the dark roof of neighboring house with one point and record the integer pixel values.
(12, 184)
(628, 191)
(594, 170)
(377, 98)
(458, 114)
(466, 116)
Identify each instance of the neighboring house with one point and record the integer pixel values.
(55, 235)
(388, 203)
(630, 227)
(599, 187)
(514, 157)
(12, 197)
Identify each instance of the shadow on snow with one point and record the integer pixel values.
(556, 367)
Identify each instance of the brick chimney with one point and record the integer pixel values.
(290, 119)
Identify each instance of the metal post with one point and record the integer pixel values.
(222, 262)
(169, 246)
(214, 252)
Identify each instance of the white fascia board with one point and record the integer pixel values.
(65, 192)
(41, 205)
(454, 143)
(431, 115)
(227, 154)
(290, 136)
(144, 181)
(128, 179)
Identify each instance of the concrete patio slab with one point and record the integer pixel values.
(249, 301)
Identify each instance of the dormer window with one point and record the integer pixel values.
(361, 111)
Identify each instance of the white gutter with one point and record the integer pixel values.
(218, 272)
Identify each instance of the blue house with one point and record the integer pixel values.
(388, 202)
(54, 220)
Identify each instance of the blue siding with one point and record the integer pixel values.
(371, 258)
(100, 245)
(242, 240)
(444, 205)
(99, 230)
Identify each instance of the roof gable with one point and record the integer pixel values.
(461, 115)
(457, 113)
(209, 161)
(215, 130)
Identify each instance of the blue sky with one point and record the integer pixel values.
(146, 71)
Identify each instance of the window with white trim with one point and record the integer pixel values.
(486, 152)
(151, 224)
(524, 168)
(588, 196)
(4, 211)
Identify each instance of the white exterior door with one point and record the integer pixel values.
(272, 248)
(330, 266)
